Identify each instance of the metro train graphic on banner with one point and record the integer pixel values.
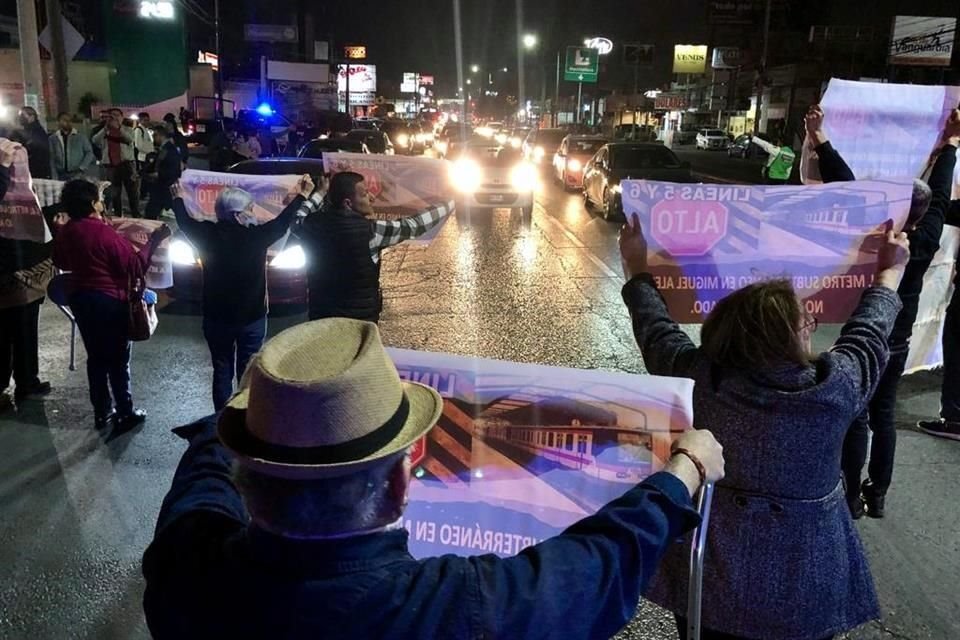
(522, 451)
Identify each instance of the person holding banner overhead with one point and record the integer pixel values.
(343, 247)
(924, 229)
(233, 251)
(102, 265)
(284, 519)
(783, 558)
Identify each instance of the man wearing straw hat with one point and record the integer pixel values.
(283, 520)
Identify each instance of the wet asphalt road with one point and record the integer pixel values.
(77, 507)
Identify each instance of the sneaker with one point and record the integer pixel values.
(873, 500)
(36, 389)
(132, 419)
(104, 421)
(855, 503)
(940, 428)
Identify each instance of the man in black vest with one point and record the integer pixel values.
(343, 249)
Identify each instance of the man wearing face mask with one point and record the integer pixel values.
(233, 251)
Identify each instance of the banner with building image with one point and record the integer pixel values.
(523, 451)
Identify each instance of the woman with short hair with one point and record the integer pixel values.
(102, 264)
(783, 557)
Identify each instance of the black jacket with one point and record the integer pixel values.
(234, 263)
(924, 239)
(37, 142)
(168, 164)
(343, 279)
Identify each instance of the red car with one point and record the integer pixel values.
(286, 262)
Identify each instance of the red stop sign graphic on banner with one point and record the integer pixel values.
(372, 180)
(418, 451)
(688, 228)
(207, 195)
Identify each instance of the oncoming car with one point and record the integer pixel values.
(712, 139)
(487, 175)
(574, 153)
(541, 144)
(286, 261)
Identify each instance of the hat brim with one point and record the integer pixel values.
(426, 406)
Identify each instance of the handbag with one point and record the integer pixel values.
(143, 317)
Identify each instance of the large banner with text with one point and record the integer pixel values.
(271, 194)
(398, 185)
(523, 451)
(707, 241)
(20, 215)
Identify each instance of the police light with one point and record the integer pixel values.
(265, 109)
(156, 9)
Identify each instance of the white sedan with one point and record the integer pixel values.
(490, 176)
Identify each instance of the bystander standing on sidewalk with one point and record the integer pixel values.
(71, 154)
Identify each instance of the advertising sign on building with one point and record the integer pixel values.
(409, 83)
(726, 58)
(733, 12)
(638, 55)
(690, 58)
(271, 33)
(665, 102)
(426, 81)
(923, 41)
(355, 53)
(363, 79)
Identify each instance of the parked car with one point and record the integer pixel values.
(628, 160)
(407, 137)
(742, 148)
(573, 154)
(487, 175)
(316, 148)
(542, 144)
(377, 141)
(286, 262)
(634, 133)
(712, 139)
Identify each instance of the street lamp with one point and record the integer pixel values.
(506, 70)
(469, 81)
(530, 40)
(474, 68)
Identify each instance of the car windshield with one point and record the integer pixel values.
(584, 147)
(317, 148)
(715, 133)
(644, 158)
(492, 155)
(551, 137)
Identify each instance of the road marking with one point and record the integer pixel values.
(610, 273)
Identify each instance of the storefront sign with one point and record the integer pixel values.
(690, 58)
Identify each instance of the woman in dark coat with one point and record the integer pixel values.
(102, 264)
(783, 558)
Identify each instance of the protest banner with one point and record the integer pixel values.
(137, 230)
(523, 451)
(884, 130)
(20, 214)
(271, 194)
(707, 241)
(891, 130)
(398, 185)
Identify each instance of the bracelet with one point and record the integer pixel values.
(696, 462)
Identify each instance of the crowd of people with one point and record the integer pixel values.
(286, 508)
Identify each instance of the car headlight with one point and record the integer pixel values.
(524, 177)
(486, 132)
(501, 138)
(403, 139)
(574, 165)
(466, 175)
(290, 258)
(182, 253)
(515, 142)
(538, 153)
(428, 137)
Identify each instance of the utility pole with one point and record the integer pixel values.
(60, 80)
(556, 94)
(30, 56)
(218, 87)
(520, 70)
(763, 68)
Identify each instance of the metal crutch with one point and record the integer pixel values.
(73, 336)
(697, 553)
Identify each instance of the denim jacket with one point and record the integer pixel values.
(210, 574)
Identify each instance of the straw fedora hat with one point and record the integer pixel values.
(323, 399)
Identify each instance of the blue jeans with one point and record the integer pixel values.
(104, 326)
(231, 348)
